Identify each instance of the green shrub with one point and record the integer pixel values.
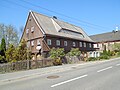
(74, 52)
(57, 62)
(56, 54)
(2, 58)
(118, 54)
(109, 53)
(92, 59)
(113, 53)
(104, 57)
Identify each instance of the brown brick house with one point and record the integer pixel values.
(43, 33)
(105, 41)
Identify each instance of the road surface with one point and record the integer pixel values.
(96, 76)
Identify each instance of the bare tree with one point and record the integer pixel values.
(2, 31)
(11, 35)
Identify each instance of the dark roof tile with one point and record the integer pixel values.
(109, 36)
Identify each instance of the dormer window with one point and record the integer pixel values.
(32, 29)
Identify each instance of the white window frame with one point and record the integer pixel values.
(32, 29)
(58, 42)
(28, 44)
(80, 44)
(49, 42)
(90, 45)
(65, 43)
(85, 44)
(32, 43)
(38, 42)
(74, 44)
(27, 31)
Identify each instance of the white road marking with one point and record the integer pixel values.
(104, 69)
(69, 80)
(117, 64)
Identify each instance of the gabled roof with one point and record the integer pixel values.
(104, 37)
(54, 26)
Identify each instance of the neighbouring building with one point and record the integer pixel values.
(105, 41)
(43, 33)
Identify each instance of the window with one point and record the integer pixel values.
(38, 42)
(65, 43)
(28, 44)
(90, 45)
(91, 54)
(74, 44)
(84, 44)
(32, 43)
(27, 31)
(58, 42)
(97, 45)
(80, 44)
(49, 41)
(32, 29)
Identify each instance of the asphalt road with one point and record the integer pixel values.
(97, 76)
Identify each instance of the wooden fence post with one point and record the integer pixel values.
(28, 63)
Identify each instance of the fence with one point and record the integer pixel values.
(23, 65)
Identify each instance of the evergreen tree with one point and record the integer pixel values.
(2, 47)
(2, 51)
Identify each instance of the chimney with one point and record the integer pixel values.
(54, 17)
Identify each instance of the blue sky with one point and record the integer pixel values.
(94, 16)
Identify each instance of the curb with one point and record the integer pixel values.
(61, 69)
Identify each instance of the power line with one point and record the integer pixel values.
(16, 4)
(63, 15)
(80, 21)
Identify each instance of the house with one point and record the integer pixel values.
(43, 33)
(105, 41)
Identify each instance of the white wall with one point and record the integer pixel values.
(94, 54)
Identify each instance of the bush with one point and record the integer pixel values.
(104, 57)
(56, 54)
(113, 53)
(2, 59)
(57, 62)
(74, 52)
(92, 59)
(118, 54)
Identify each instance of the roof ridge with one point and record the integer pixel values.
(101, 33)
